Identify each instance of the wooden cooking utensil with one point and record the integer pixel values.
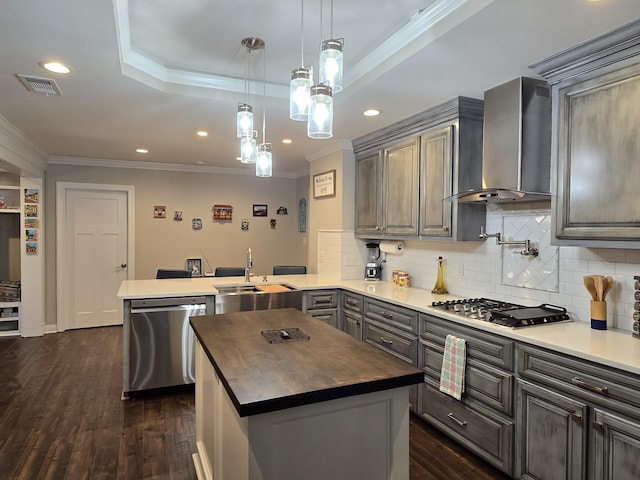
(608, 282)
(599, 282)
(589, 283)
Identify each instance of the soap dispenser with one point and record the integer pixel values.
(440, 287)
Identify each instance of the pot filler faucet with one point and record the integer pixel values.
(247, 270)
(528, 251)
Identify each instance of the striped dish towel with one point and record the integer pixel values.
(453, 363)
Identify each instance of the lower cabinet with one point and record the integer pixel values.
(482, 420)
(575, 419)
(352, 318)
(551, 437)
(480, 430)
(393, 329)
(323, 305)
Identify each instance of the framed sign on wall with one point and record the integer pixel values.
(324, 184)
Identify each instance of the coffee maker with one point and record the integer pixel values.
(373, 270)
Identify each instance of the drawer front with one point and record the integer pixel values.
(393, 341)
(321, 299)
(484, 383)
(352, 302)
(353, 324)
(328, 315)
(398, 317)
(580, 377)
(482, 346)
(487, 435)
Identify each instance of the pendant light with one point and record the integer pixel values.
(331, 61)
(244, 117)
(320, 124)
(301, 81)
(264, 160)
(244, 120)
(248, 148)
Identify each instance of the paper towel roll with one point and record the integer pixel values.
(393, 248)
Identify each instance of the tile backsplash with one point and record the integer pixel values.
(474, 269)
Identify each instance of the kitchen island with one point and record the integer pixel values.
(316, 405)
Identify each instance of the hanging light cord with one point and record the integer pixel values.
(264, 94)
(302, 33)
(331, 19)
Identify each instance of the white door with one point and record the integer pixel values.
(94, 255)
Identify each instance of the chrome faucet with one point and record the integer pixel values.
(247, 270)
(528, 249)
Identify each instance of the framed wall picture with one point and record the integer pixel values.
(195, 266)
(260, 210)
(324, 184)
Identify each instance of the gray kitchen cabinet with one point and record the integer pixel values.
(595, 172)
(368, 193)
(482, 420)
(394, 330)
(352, 317)
(406, 174)
(575, 419)
(551, 436)
(387, 191)
(450, 156)
(323, 305)
(400, 188)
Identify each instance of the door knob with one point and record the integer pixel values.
(123, 265)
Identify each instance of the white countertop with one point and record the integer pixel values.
(609, 347)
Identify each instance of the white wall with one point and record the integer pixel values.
(165, 243)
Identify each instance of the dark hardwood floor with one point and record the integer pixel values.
(61, 417)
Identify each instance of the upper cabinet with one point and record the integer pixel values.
(406, 174)
(400, 188)
(595, 169)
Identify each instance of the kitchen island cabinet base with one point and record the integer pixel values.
(358, 437)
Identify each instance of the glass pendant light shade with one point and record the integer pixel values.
(299, 92)
(320, 112)
(248, 149)
(331, 64)
(264, 162)
(244, 121)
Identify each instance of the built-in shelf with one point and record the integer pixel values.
(9, 318)
(11, 198)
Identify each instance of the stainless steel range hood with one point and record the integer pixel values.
(516, 152)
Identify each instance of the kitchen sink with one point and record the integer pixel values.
(243, 298)
(262, 288)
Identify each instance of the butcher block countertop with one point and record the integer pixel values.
(262, 377)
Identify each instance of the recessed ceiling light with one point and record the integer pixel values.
(287, 140)
(202, 133)
(199, 162)
(372, 112)
(239, 159)
(142, 150)
(55, 67)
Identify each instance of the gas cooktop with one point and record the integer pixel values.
(504, 313)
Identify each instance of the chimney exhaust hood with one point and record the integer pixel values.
(516, 149)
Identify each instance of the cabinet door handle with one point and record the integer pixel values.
(462, 423)
(352, 303)
(592, 388)
(576, 417)
(321, 301)
(597, 426)
(384, 340)
(384, 314)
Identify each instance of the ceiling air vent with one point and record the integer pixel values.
(47, 86)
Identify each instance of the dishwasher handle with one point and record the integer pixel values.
(166, 302)
(173, 308)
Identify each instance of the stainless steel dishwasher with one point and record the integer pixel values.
(159, 343)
